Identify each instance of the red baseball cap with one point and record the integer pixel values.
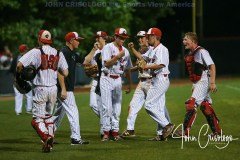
(154, 31)
(121, 32)
(101, 34)
(45, 37)
(22, 48)
(72, 35)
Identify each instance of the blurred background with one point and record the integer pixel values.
(216, 22)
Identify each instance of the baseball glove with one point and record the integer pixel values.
(141, 64)
(21, 85)
(28, 73)
(91, 70)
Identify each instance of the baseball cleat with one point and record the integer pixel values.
(178, 133)
(128, 133)
(167, 130)
(48, 144)
(78, 142)
(105, 138)
(28, 112)
(158, 138)
(117, 138)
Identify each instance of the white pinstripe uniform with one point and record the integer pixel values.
(45, 91)
(139, 98)
(19, 99)
(201, 88)
(155, 101)
(95, 99)
(111, 88)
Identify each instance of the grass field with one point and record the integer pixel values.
(19, 141)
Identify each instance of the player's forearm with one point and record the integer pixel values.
(212, 73)
(112, 61)
(64, 73)
(136, 53)
(89, 57)
(19, 67)
(61, 81)
(154, 66)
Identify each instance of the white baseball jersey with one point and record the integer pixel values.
(158, 55)
(201, 88)
(108, 52)
(93, 61)
(46, 77)
(203, 57)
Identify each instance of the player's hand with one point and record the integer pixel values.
(96, 46)
(128, 90)
(63, 94)
(121, 54)
(213, 88)
(130, 45)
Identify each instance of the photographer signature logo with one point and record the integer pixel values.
(204, 139)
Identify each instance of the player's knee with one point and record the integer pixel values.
(206, 108)
(190, 104)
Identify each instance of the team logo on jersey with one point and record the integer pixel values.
(73, 57)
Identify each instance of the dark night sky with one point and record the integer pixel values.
(221, 19)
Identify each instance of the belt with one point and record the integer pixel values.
(144, 79)
(164, 75)
(113, 76)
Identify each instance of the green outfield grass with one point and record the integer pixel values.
(19, 141)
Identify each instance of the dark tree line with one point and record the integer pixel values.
(22, 19)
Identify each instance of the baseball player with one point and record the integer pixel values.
(95, 99)
(115, 60)
(157, 61)
(202, 73)
(18, 96)
(48, 62)
(140, 93)
(66, 99)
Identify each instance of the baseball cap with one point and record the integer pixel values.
(72, 35)
(154, 31)
(22, 48)
(101, 34)
(141, 34)
(121, 32)
(45, 37)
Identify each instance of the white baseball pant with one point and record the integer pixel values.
(137, 102)
(69, 107)
(44, 99)
(111, 95)
(19, 101)
(96, 103)
(155, 100)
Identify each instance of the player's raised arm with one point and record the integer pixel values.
(134, 51)
(90, 55)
